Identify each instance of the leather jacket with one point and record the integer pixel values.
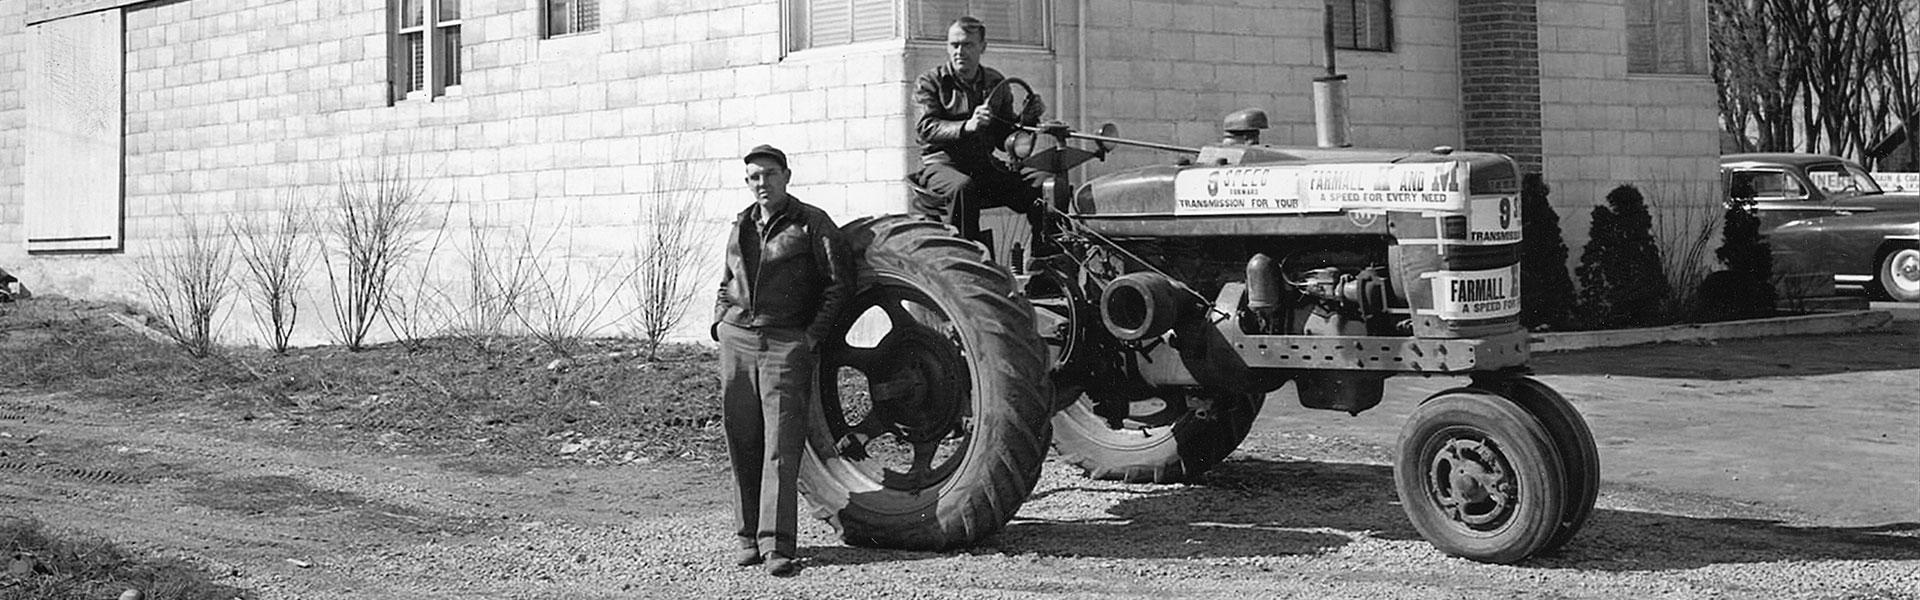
(795, 274)
(946, 102)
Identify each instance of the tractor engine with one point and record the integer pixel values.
(1221, 273)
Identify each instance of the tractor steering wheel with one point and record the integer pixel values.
(1011, 101)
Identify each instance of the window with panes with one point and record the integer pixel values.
(567, 17)
(825, 23)
(1362, 24)
(426, 43)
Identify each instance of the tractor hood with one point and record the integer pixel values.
(1269, 181)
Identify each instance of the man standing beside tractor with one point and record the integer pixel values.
(787, 275)
(959, 133)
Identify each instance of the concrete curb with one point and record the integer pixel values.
(1835, 322)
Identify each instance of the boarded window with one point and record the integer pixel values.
(1666, 36)
(74, 125)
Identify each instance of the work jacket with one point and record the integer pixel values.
(794, 273)
(946, 102)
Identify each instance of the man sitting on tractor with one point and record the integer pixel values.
(959, 133)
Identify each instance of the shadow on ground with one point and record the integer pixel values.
(1894, 348)
(1249, 508)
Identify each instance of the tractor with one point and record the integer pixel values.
(1180, 296)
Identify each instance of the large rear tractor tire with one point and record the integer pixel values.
(933, 416)
(1481, 477)
(1163, 439)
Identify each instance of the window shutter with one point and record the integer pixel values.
(829, 23)
(874, 20)
(1009, 22)
(1375, 23)
(931, 18)
(1674, 32)
(822, 23)
(1643, 45)
(1344, 25)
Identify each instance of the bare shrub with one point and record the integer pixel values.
(1684, 230)
(672, 254)
(422, 308)
(565, 303)
(496, 283)
(278, 254)
(187, 281)
(374, 211)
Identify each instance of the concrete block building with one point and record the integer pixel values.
(123, 122)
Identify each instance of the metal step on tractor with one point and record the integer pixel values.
(1181, 295)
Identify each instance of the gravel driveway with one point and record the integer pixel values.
(1305, 509)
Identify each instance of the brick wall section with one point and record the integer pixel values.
(1500, 79)
(1169, 71)
(241, 106)
(1602, 126)
(13, 52)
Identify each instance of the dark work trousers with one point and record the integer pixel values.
(960, 197)
(766, 381)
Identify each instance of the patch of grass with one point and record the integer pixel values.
(506, 402)
(47, 565)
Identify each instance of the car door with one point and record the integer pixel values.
(1780, 195)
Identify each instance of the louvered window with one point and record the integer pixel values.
(1009, 22)
(1362, 24)
(426, 48)
(1666, 36)
(823, 23)
(565, 17)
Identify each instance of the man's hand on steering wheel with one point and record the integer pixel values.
(1030, 114)
(982, 117)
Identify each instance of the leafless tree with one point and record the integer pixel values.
(497, 282)
(187, 281)
(373, 218)
(278, 254)
(566, 301)
(421, 308)
(1830, 76)
(673, 254)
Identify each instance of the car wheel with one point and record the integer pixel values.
(1899, 276)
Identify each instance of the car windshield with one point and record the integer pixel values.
(1842, 179)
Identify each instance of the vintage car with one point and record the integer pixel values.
(1826, 214)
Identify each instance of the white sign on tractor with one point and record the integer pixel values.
(1318, 188)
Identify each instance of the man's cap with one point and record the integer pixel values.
(767, 151)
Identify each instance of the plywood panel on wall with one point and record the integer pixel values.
(74, 103)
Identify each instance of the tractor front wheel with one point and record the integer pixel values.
(1579, 457)
(1481, 477)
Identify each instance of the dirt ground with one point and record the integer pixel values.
(1781, 468)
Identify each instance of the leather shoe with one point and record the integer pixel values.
(779, 565)
(746, 557)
